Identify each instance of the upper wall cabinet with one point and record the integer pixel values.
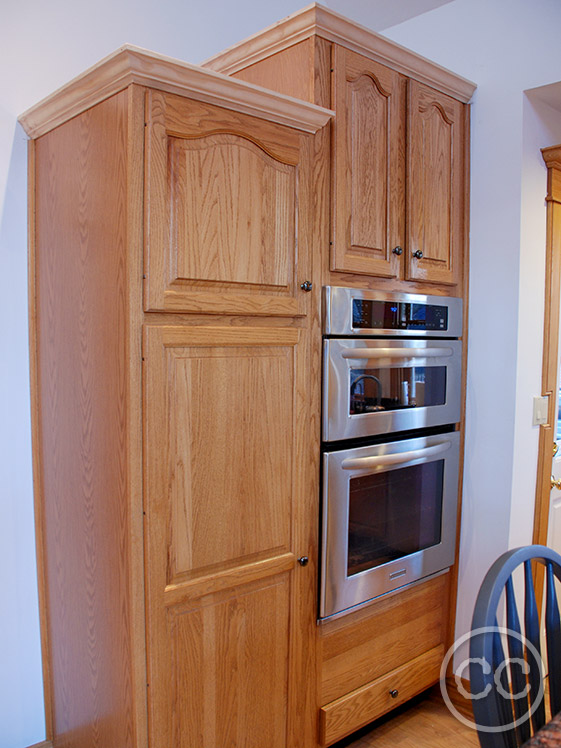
(384, 181)
(368, 187)
(225, 210)
(399, 168)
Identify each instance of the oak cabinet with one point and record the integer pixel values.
(223, 529)
(368, 169)
(179, 219)
(397, 201)
(399, 169)
(394, 218)
(176, 400)
(436, 173)
(225, 210)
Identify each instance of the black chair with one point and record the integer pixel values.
(507, 693)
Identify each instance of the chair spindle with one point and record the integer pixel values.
(553, 634)
(532, 633)
(518, 684)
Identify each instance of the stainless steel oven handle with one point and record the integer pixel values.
(394, 458)
(368, 353)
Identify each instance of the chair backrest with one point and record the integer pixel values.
(507, 690)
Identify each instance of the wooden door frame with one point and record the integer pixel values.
(552, 158)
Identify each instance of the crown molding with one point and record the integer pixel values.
(318, 20)
(130, 64)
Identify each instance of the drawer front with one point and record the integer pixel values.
(358, 708)
(360, 648)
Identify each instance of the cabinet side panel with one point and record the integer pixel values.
(289, 72)
(81, 339)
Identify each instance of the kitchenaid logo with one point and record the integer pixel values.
(529, 701)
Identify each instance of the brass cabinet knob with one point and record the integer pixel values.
(556, 483)
(555, 448)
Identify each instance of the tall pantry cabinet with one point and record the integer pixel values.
(182, 224)
(172, 243)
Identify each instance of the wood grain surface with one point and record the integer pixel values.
(368, 169)
(382, 636)
(80, 290)
(435, 186)
(356, 709)
(228, 635)
(317, 20)
(226, 205)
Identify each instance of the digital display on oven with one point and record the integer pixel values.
(392, 315)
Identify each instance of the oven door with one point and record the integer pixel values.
(389, 517)
(378, 386)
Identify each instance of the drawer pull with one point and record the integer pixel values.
(394, 693)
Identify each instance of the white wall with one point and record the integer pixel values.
(506, 46)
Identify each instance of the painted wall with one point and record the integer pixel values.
(506, 46)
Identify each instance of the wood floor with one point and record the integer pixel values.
(424, 723)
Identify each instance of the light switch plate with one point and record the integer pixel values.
(541, 405)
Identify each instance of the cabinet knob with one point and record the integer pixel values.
(306, 286)
(418, 254)
(303, 560)
(394, 693)
(397, 250)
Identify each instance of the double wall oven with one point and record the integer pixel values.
(390, 445)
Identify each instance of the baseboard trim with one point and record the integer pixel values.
(44, 744)
(459, 701)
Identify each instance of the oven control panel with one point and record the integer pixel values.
(356, 312)
(369, 314)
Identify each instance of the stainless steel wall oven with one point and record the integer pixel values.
(391, 402)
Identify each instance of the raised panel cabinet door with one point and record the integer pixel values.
(435, 186)
(226, 210)
(368, 166)
(223, 516)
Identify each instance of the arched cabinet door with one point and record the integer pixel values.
(435, 186)
(368, 166)
(226, 205)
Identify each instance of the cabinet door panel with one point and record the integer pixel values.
(225, 210)
(228, 439)
(229, 659)
(368, 165)
(225, 511)
(435, 186)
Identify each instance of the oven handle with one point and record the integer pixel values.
(394, 458)
(368, 353)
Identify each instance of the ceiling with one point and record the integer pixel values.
(381, 14)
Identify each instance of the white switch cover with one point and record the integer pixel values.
(540, 410)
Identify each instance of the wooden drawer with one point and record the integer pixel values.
(356, 709)
(359, 648)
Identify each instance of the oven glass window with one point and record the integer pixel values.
(393, 514)
(373, 390)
